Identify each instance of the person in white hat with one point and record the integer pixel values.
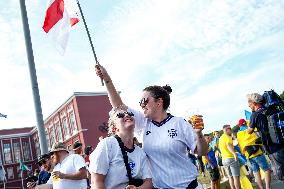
(70, 171)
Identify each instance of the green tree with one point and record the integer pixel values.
(282, 95)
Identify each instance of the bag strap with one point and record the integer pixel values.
(125, 157)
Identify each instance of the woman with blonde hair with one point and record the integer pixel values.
(117, 163)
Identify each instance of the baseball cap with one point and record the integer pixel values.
(242, 122)
(77, 145)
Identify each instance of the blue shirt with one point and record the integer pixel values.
(243, 127)
(211, 157)
(43, 177)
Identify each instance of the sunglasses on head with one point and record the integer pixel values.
(143, 101)
(123, 114)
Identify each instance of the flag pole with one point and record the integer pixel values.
(33, 76)
(89, 37)
(22, 179)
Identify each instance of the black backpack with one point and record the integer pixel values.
(274, 111)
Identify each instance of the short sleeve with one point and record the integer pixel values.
(99, 158)
(79, 162)
(252, 123)
(228, 140)
(146, 173)
(189, 135)
(140, 120)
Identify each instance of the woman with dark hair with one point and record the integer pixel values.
(165, 137)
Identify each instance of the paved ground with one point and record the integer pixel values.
(277, 184)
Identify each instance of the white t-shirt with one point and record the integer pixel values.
(107, 160)
(71, 164)
(166, 148)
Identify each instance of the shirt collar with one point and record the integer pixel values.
(158, 124)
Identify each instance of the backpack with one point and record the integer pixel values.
(274, 111)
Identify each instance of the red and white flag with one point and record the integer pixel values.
(60, 16)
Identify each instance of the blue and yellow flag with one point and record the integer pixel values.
(247, 115)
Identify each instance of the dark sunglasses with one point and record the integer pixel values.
(143, 101)
(123, 114)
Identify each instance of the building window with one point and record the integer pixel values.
(7, 153)
(37, 146)
(58, 132)
(10, 173)
(47, 138)
(52, 137)
(65, 128)
(72, 121)
(26, 151)
(17, 152)
(19, 172)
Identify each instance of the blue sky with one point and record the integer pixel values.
(212, 53)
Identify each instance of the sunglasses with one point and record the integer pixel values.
(51, 154)
(123, 114)
(143, 101)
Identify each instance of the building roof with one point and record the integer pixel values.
(75, 94)
(4, 133)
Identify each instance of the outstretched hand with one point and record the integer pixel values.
(101, 72)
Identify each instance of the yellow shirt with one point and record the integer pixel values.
(223, 141)
(245, 139)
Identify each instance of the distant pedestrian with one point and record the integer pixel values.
(230, 158)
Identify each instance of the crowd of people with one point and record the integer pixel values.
(165, 158)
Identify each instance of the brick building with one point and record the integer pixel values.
(83, 117)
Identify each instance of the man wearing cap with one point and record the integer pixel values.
(77, 148)
(69, 172)
(252, 150)
(46, 165)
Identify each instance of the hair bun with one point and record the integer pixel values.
(167, 88)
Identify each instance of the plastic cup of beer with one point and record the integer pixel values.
(197, 121)
(55, 179)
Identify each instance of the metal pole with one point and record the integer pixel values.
(22, 174)
(89, 37)
(33, 76)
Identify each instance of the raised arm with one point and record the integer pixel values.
(113, 95)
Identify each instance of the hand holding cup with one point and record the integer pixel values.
(197, 121)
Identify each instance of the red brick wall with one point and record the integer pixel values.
(93, 112)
